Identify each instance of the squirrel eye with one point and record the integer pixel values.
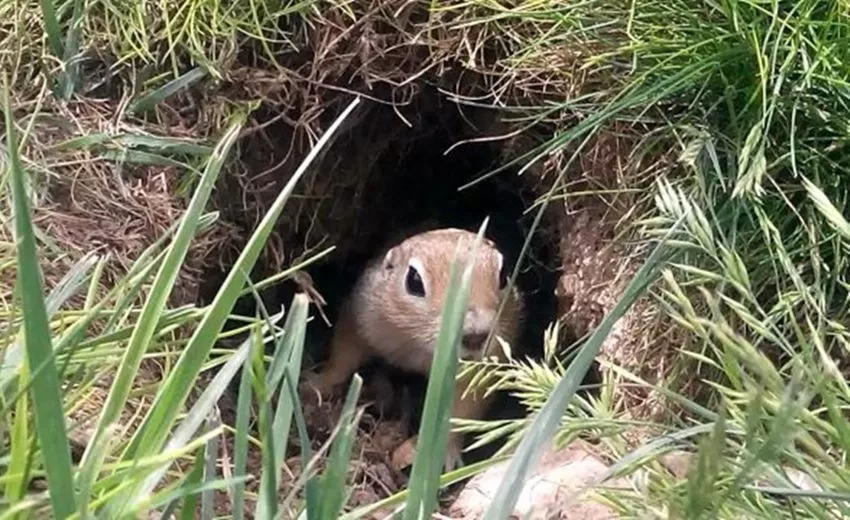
(503, 277)
(413, 282)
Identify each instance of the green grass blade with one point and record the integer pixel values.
(267, 499)
(70, 341)
(305, 448)
(85, 479)
(67, 287)
(332, 486)
(51, 27)
(46, 390)
(70, 76)
(193, 480)
(546, 423)
(168, 402)
(436, 415)
(152, 99)
(161, 288)
(289, 350)
(293, 332)
(18, 508)
(240, 439)
(655, 447)
(827, 208)
(16, 482)
(141, 157)
(183, 492)
(210, 459)
(202, 407)
(130, 141)
(702, 493)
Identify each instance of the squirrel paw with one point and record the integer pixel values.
(454, 459)
(312, 389)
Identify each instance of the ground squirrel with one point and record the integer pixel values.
(394, 313)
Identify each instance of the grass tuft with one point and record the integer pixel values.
(40, 368)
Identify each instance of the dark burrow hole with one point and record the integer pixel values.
(419, 190)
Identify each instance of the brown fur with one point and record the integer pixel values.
(381, 318)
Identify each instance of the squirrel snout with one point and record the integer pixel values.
(476, 328)
(474, 341)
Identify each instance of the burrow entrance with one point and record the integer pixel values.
(390, 174)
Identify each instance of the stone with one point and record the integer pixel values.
(559, 488)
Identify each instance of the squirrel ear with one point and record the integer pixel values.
(390, 259)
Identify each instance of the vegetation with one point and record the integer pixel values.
(734, 116)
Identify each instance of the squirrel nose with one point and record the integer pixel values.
(476, 328)
(474, 341)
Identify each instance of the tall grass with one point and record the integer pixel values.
(40, 369)
(124, 476)
(752, 97)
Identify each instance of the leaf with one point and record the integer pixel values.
(51, 27)
(193, 480)
(202, 407)
(152, 99)
(333, 481)
(140, 157)
(286, 365)
(46, 390)
(240, 439)
(210, 462)
(827, 209)
(67, 287)
(162, 144)
(69, 78)
(85, 479)
(19, 450)
(182, 492)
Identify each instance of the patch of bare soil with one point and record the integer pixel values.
(599, 259)
(371, 475)
(93, 197)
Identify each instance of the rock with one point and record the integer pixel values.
(678, 462)
(796, 477)
(802, 480)
(559, 488)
